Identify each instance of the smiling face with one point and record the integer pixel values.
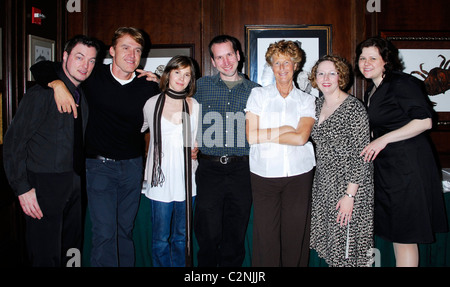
(327, 77)
(371, 64)
(283, 68)
(78, 65)
(126, 57)
(226, 60)
(179, 79)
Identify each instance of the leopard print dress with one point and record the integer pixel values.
(339, 141)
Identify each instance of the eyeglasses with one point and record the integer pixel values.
(330, 74)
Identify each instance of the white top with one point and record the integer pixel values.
(172, 162)
(273, 159)
(122, 82)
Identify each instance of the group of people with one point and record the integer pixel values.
(322, 173)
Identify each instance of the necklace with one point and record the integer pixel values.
(336, 102)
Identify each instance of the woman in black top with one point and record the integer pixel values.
(409, 204)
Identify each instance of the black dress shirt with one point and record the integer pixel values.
(40, 139)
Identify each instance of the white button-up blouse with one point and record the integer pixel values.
(273, 159)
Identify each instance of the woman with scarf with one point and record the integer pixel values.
(172, 118)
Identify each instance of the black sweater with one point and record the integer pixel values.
(115, 111)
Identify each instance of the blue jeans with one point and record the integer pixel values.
(113, 190)
(169, 233)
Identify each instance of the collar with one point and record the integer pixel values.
(216, 79)
(275, 93)
(122, 82)
(63, 77)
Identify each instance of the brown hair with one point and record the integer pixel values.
(178, 62)
(342, 67)
(388, 52)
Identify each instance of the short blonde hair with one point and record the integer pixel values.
(342, 67)
(134, 33)
(285, 48)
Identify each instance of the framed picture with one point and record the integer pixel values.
(159, 55)
(39, 49)
(315, 41)
(426, 55)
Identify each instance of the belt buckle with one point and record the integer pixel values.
(224, 159)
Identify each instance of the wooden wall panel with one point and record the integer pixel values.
(401, 15)
(166, 22)
(262, 12)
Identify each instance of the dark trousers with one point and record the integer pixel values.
(281, 220)
(114, 190)
(222, 211)
(60, 229)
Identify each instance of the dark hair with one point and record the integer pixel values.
(134, 33)
(342, 67)
(81, 39)
(388, 52)
(223, 39)
(178, 62)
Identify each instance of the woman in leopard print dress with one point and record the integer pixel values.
(342, 196)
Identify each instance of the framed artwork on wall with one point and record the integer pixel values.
(426, 55)
(314, 40)
(159, 55)
(39, 49)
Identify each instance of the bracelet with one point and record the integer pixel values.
(350, 195)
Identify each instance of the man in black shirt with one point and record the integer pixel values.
(114, 145)
(43, 159)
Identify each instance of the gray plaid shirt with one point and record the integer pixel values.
(222, 116)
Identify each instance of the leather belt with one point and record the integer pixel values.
(224, 159)
(102, 158)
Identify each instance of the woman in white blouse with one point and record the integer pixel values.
(279, 122)
(172, 118)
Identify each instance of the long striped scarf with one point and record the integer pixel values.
(157, 172)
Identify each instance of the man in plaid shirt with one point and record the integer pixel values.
(224, 196)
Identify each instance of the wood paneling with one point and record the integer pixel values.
(166, 22)
(241, 13)
(407, 15)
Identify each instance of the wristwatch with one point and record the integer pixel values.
(349, 195)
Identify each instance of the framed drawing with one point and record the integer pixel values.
(315, 41)
(426, 55)
(159, 55)
(39, 49)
